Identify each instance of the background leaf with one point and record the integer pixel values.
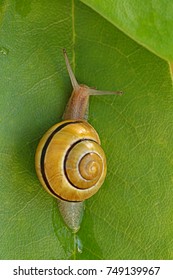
(131, 216)
(150, 23)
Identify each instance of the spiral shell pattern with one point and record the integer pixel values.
(70, 162)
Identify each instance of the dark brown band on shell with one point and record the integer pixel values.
(43, 154)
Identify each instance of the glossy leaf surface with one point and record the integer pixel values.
(148, 22)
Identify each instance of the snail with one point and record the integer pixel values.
(69, 161)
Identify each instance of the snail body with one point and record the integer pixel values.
(69, 161)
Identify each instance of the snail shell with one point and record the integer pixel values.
(70, 162)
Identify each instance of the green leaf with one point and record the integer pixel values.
(150, 23)
(131, 216)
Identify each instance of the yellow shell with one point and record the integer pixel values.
(70, 162)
